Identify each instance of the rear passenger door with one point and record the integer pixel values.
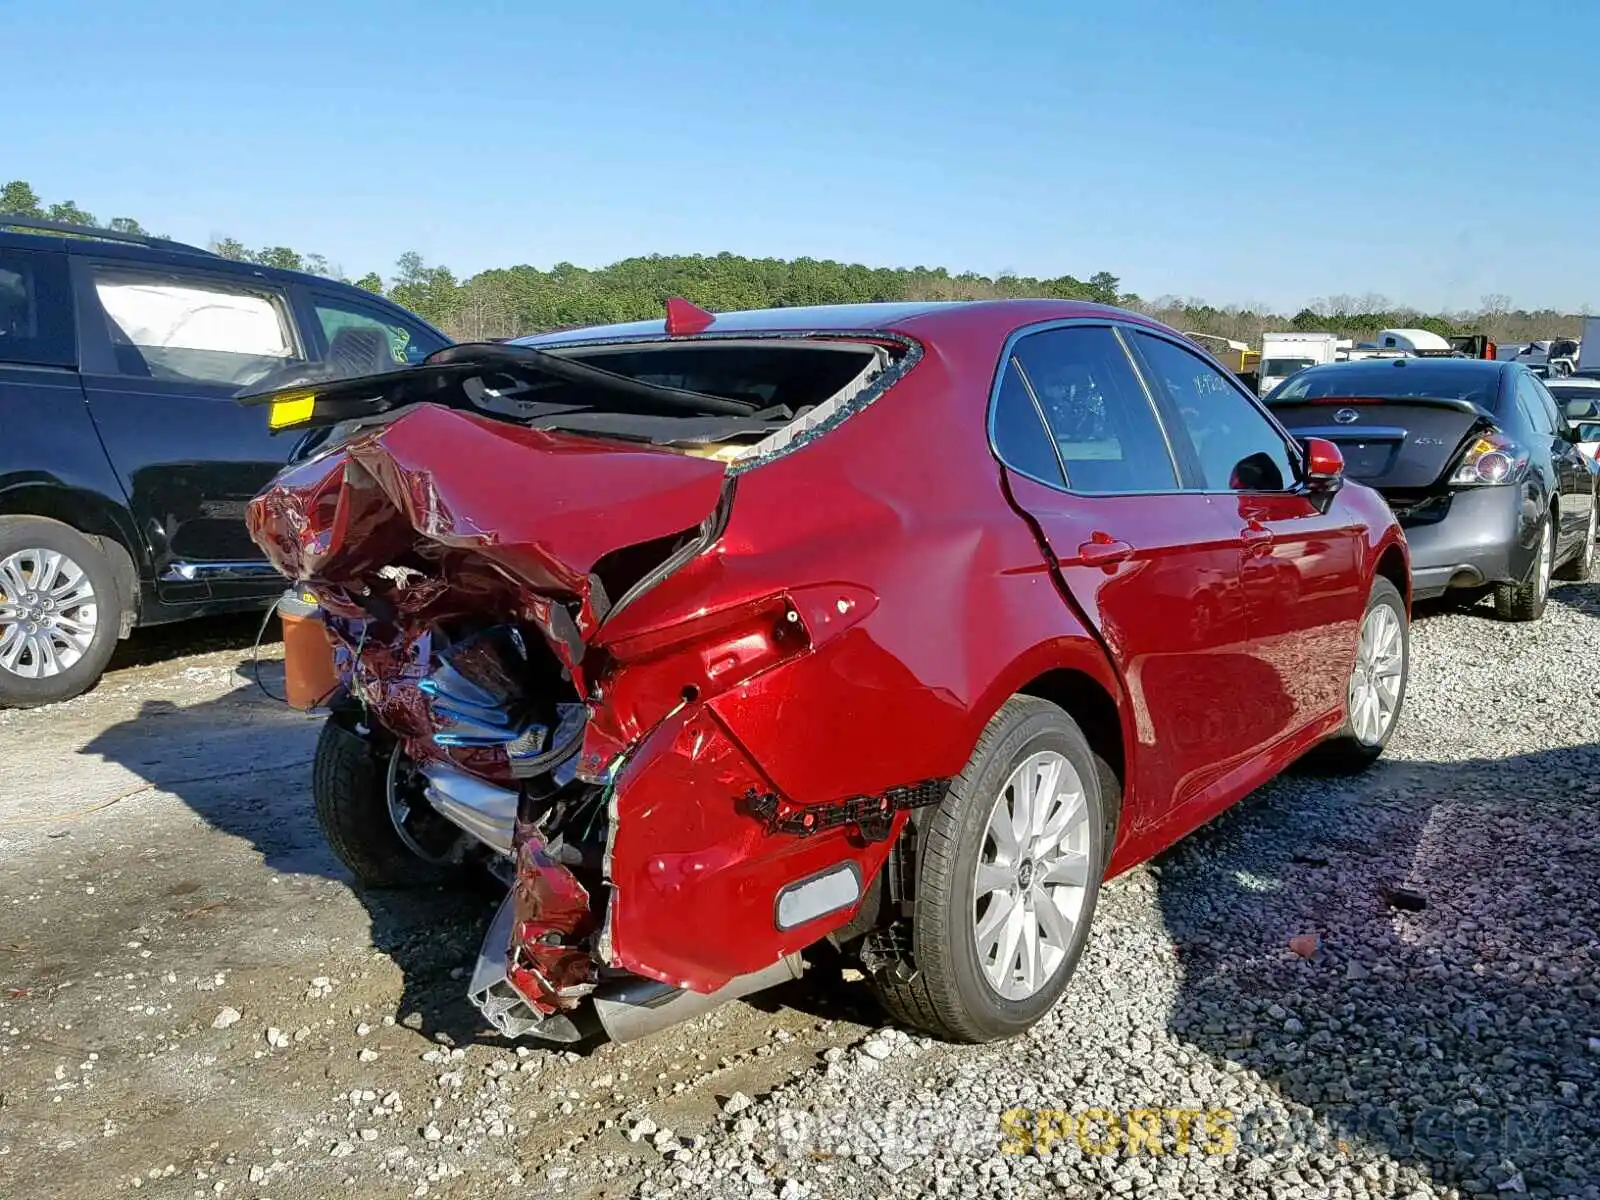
(1154, 568)
(1573, 481)
(165, 350)
(1300, 566)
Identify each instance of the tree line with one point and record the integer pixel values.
(509, 301)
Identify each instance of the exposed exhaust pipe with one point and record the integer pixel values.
(487, 812)
(635, 1009)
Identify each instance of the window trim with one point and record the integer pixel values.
(1291, 447)
(1008, 352)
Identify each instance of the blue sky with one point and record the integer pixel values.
(1236, 151)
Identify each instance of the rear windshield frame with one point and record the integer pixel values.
(906, 352)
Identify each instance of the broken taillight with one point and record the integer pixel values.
(652, 673)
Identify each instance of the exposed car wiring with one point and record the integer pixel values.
(255, 657)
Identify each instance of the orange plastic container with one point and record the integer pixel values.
(308, 674)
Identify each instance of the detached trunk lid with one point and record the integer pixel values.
(1398, 445)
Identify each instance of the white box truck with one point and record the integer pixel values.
(1284, 354)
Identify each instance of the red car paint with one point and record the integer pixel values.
(871, 600)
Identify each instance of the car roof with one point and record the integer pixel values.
(155, 250)
(916, 318)
(158, 251)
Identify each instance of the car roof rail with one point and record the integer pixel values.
(12, 221)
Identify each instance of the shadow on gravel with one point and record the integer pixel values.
(1457, 1038)
(161, 643)
(242, 763)
(1585, 600)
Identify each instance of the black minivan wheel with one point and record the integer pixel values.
(60, 612)
(1008, 875)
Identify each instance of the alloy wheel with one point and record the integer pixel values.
(1032, 876)
(1375, 683)
(48, 613)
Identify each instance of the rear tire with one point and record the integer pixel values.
(80, 588)
(1526, 601)
(1360, 744)
(1580, 568)
(349, 783)
(958, 993)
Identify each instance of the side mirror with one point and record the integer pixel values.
(1324, 464)
(1324, 470)
(1586, 431)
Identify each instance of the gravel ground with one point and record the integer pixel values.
(1377, 987)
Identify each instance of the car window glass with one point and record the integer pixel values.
(1552, 411)
(365, 340)
(1577, 403)
(1236, 446)
(35, 309)
(1103, 425)
(1020, 438)
(1532, 405)
(192, 329)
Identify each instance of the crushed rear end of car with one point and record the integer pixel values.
(521, 562)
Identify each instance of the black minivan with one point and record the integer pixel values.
(125, 464)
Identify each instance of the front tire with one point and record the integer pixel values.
(1008, 876)
(1526, 601)
(1376, 690)
(60, 612)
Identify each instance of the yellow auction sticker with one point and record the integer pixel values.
(290, 410)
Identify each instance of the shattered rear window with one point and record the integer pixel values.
(795, 387)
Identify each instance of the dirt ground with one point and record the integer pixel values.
(195, 1000)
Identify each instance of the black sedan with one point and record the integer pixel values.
(1476, 460)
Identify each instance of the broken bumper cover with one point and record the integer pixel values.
(704, 850)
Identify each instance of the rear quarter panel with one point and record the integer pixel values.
(926, 593)
(928, 603)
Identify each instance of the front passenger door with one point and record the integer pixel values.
(1153, 568)
(1573, 476)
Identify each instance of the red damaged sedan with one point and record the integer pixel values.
(900, 626)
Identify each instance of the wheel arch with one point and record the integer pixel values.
(95, 517)
(1094, 710)
(1074, 674)
(1392, 565)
